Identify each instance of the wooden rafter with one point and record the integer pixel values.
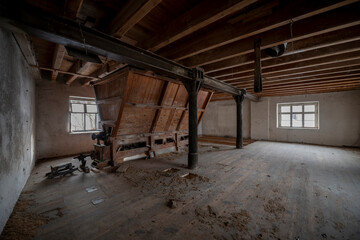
(59, 53)
(130, 14)
(325, 40)
(320, 24)
(73, 8)
(78, 67)
(198, 17)
(286, 13)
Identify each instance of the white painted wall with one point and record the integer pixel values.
(52, 120)
(339, 116)
(17, 124)
(220, 119)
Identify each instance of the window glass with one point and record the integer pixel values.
(285, 109)
(90, 123)
(297, 108)
(309, 108)
(77, 107)
(77, 122)
(297, 120)
(91, 108)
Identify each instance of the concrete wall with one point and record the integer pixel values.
(52, 120)
(220, 119)
(17, 124)
(339, 116)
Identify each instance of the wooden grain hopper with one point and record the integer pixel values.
(142, 114)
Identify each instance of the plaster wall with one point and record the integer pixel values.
(220, 119)
(339, 116)
(52, 120)
(17, 124)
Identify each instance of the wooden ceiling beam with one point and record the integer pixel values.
(308, 44)
(129, 15)
(59, 53)
(200, 16)
(62, 31)
(103, 71)
(303, 82)
(320, 53)
(307, 70)
(78, 67)
(284, 14)
(320, 24)
(73, 8)
(269, 82)
(295, 66)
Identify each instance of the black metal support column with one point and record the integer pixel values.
(239, 99)
(193, 86)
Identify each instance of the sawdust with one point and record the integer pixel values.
(23, 224)
(274, 207)
(235, 224)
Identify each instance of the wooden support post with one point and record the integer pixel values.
(257, 73)
(193, 86)
(239, 99)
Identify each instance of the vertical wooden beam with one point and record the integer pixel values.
(257, 72)
(59, 53)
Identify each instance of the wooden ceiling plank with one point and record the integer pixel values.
(129, 15)
(298, 65)
(287, 12)
(307, 70)
(59, 53)
(308, 44)
(303, 76)
(200, 16)
(321, 53)
(320, 24)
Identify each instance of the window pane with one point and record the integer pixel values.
(77, 107)
(91, 108)
(309, 108)
(285, 123)
(77, 122)
(297, 108)
(285, 117)
(297, 120)
(309, 123)
(285, 109)
(309, 117)
(90, 121)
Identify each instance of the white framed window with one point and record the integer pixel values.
(298, 115)
(83, 115)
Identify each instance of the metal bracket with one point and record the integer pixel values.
(194, 85)
(240, 97)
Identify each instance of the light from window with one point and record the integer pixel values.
(298, 115)
(83, 115)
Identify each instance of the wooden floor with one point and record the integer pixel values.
(265, 191)
(223, 140)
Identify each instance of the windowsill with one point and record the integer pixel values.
(84, 132)
(297, 128)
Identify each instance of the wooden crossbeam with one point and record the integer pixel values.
(78, 67)
(320, 53)
(201, 15)
(284, 14)
(62, 31)
(130, 14)
(320, 24)
(59, 53)
(338, 58)
(325, 40)
(103, 71)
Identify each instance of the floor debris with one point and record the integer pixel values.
(91, 189)
(97, 201)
